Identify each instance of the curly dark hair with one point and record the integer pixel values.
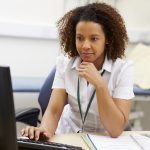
(101, 13)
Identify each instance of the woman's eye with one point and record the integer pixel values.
(94, 39)
(79, 38)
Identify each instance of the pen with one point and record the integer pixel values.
(91, 142)
(133, 138)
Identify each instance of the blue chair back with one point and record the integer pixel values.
(46, 90)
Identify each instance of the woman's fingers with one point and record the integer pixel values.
(26, 131)
(22, 132)
(31, 132)
(35, 133)
(38, 133)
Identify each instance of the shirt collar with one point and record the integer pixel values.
(76, 62)
(106, 66)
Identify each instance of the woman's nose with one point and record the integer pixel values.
(86, 45)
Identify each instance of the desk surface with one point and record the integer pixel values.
(71, 139)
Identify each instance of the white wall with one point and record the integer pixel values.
(28, 57)
(23, 41)
(31, 11)
(136, 14)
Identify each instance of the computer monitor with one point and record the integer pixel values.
(7, 114)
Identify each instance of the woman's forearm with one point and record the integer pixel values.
(111, 117)
(54, 110)
(50, 122)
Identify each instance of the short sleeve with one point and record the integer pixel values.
(61, 64)
(124, 83)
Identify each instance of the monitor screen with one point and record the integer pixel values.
(7, 114)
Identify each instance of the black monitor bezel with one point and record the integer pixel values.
(7, 115)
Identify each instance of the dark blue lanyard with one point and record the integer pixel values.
(89, 104)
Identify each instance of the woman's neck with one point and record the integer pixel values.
(99, 63)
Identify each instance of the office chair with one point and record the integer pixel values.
(30, 115)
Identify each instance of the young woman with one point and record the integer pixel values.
(95, 81)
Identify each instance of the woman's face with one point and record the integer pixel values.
(90, 42)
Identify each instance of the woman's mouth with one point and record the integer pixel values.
(86, 55)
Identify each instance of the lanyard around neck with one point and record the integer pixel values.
(89, 104)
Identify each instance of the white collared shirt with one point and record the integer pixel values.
(118, 76)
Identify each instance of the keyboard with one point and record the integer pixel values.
(27, 144)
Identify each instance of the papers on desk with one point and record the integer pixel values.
(123, 142)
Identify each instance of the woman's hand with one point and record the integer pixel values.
(36, 133)
(90, 73)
